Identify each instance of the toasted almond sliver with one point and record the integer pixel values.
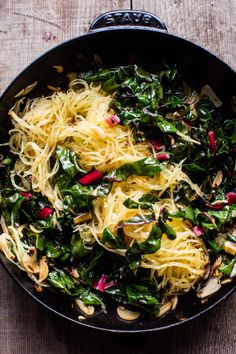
(216, 265)
(230, 247)
(59, 68)
(226, 281)
(38, 288)
(5, 248)
(165, 308)
(212, 286)
(72, 76)
(74, 273)
(87, 310)
(26, 90)
(43, 269)
(174, 301)
(127, 314)
(218, 179)
(29, 261)
(207, 91)
(53, 88)
(33, 229)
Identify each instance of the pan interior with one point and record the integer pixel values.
(120, 47)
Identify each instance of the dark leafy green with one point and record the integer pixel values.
(158, 106)
(134, 254)
(77, 247)
(142, 295)
(227, 268)
(146, 167)
(137, 220)
(68, 160)
(55, 250)
(58, 279)
(131, 204)
(114, 241)
(79, 197)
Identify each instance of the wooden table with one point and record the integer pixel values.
(28, 28)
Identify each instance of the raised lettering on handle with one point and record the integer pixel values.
(127, 18)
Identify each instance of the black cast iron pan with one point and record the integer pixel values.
(119, 38)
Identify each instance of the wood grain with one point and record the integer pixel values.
(27, 29)
(209, 23)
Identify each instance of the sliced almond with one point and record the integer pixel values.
(43, 269)
(226, 281)
(26, 90)
(97, 60)
(29, 261)
(219, 202)
(210, 288)
(127, 314)
(216, 265)
(82, 217)
(233, 273)
(218, 179)
(174, 301)
(72, 76)
(58, 68)
(207, 91)
(165, 308)
(230, 247)
(33, 229)
(172, 140)
(74, 273)
(53, 88)
(88, 310)
(4, 247)
(38, 288)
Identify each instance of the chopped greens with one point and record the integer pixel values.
(145, 167)
(102, 265)
(67, 159)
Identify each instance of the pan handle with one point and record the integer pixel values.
(130, 18)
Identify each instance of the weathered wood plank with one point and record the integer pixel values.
(26, 328)
(211, 24)
(29, 28)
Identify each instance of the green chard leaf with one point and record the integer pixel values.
(90, 298)
(165, 126)
(227, 268)
(146, 167)
(79, 196)
(58, 279)
(149, 198)
(139, 294)
(45, 224)
(153, 242)
(134, 254)
(77, 247)
(143, 296)
(96, 257)
(114, 241)
(137, 220)
(167, 229)
(231, 238)
(214, 246)
(64, 283)
(55, 250)
(16, 210)
(67, 159)
(131, 204)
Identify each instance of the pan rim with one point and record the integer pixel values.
(8, 88)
